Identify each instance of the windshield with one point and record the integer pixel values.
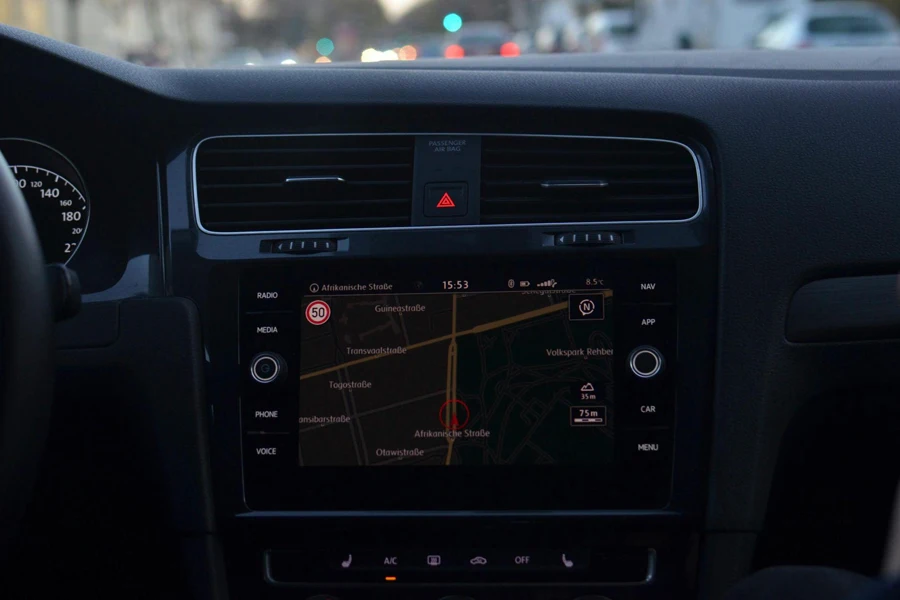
(283, 33)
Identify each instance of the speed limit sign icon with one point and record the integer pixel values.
(318, 312)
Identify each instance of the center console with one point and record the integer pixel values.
(449, 406)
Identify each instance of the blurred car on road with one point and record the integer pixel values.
(830, 24)
(483, 38)
(611, 30)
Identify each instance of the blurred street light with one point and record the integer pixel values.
(325, 46)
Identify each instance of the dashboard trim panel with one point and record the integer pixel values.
(701, 195)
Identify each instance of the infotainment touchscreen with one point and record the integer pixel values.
(472, 372)
(522, 384)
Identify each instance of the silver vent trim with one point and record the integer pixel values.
(701, 188)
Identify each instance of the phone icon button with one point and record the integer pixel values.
(566, 562)
(346, 563)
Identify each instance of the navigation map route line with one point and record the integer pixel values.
(451, 419)
(561, 306)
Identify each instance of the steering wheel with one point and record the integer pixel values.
(26, 356)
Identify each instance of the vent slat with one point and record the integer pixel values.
(241, 182)
(604, 200)
(246, 151)
(306, 203)
(500, 218)
(610, 180)
(580, 169)
(225, 186)
(288, 224)
(333, 167)
(645, 180)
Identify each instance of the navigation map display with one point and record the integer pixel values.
(457, 372)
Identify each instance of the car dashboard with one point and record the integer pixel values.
(530, 329)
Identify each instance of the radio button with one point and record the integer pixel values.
(646, 362)
(265, 296)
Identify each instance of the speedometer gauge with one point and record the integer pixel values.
(55, 194)
(59, 210)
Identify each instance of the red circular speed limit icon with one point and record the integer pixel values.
(318, 312)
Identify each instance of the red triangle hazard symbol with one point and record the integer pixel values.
(454, 423)
(446, 201)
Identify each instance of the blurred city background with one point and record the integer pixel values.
(252, 33)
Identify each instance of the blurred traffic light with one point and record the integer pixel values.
(453, 22)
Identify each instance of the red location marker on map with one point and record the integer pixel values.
(454, 415)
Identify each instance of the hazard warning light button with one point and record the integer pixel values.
(446, 199)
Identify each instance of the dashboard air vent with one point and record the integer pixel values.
(568, 179)
(285, 183)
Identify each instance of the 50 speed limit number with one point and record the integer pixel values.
(318, 312)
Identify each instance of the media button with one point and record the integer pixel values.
(265, 331)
